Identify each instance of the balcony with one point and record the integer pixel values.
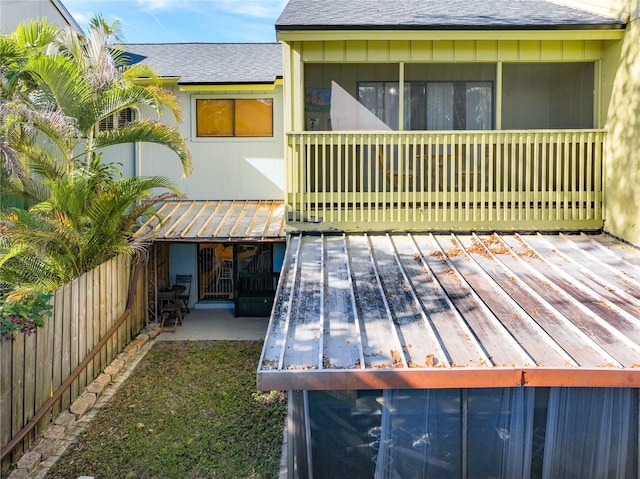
(434, 181)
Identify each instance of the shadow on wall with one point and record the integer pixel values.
(269, 172)
(623, 151)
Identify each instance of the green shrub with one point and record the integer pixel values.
(23, 315)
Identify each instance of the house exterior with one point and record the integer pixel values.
(415, 341)
(227, 232)
(14, 12)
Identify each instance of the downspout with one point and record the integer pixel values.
(401, 111)
(498, 99)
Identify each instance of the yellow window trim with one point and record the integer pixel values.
(162, 81)
(233, 87)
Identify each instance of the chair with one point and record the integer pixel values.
(170, 311)
(225, 275)
(184, 280)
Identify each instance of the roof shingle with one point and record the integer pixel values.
(436, 14)
(211, 63)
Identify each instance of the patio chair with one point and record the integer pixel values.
(184, 280)
(170, 311)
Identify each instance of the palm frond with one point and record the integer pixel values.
(35, 34)
(119, 98)
(65, 81)
(168, 100)
(131, 73)
(148, 131)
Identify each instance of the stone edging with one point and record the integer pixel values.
(47, 449)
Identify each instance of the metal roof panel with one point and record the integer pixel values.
(360, 311)
(193, 221)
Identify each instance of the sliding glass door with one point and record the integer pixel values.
(431, 105)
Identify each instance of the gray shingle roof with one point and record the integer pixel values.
(436, 14)
(211, 63)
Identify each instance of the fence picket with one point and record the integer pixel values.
(33, 367)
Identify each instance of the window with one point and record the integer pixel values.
(437, 105)
(538, 433)
(117, 120)
(234, 117)
(381, 98)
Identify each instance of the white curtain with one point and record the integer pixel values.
(440, 106)
(514, 429)
(421, 434)
(479, 106)
(591, 434)
(420, 437)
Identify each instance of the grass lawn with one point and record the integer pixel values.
(189, 410)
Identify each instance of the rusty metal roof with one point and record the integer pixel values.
(362, 311)
(194, 221)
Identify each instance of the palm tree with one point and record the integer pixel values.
(77, 81)
(89, 217)
(56, 87)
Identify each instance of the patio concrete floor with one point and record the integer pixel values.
(212, 324)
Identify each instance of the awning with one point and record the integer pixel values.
(228, 221)
(364, 311)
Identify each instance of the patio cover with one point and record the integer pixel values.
(228, 221)
(362, 311)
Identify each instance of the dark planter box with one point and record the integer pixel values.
(255, 304)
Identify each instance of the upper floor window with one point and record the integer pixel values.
(431, 105)
(117, 120)
(234, 117)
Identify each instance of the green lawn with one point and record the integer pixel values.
(189, 410)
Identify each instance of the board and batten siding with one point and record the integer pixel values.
(223, 168)
(622, 67)
(450, 50)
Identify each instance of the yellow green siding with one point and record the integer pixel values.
(352, 56)
(451, 50)
(623, 123)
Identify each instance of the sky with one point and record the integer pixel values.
(180, 21)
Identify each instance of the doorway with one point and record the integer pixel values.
(221, 264)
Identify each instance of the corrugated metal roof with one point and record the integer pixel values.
(364, 311)
(211, 63)
(436, 14)
(193, 221)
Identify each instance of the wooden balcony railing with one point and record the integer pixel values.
(482, 180)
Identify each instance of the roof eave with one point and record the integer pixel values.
(231, 86)
(161, 80)
(57, 4)
(444, 378)
(499, 27)
(314, 33)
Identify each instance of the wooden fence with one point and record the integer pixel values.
(33, 367)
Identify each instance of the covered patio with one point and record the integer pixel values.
(232, 250)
